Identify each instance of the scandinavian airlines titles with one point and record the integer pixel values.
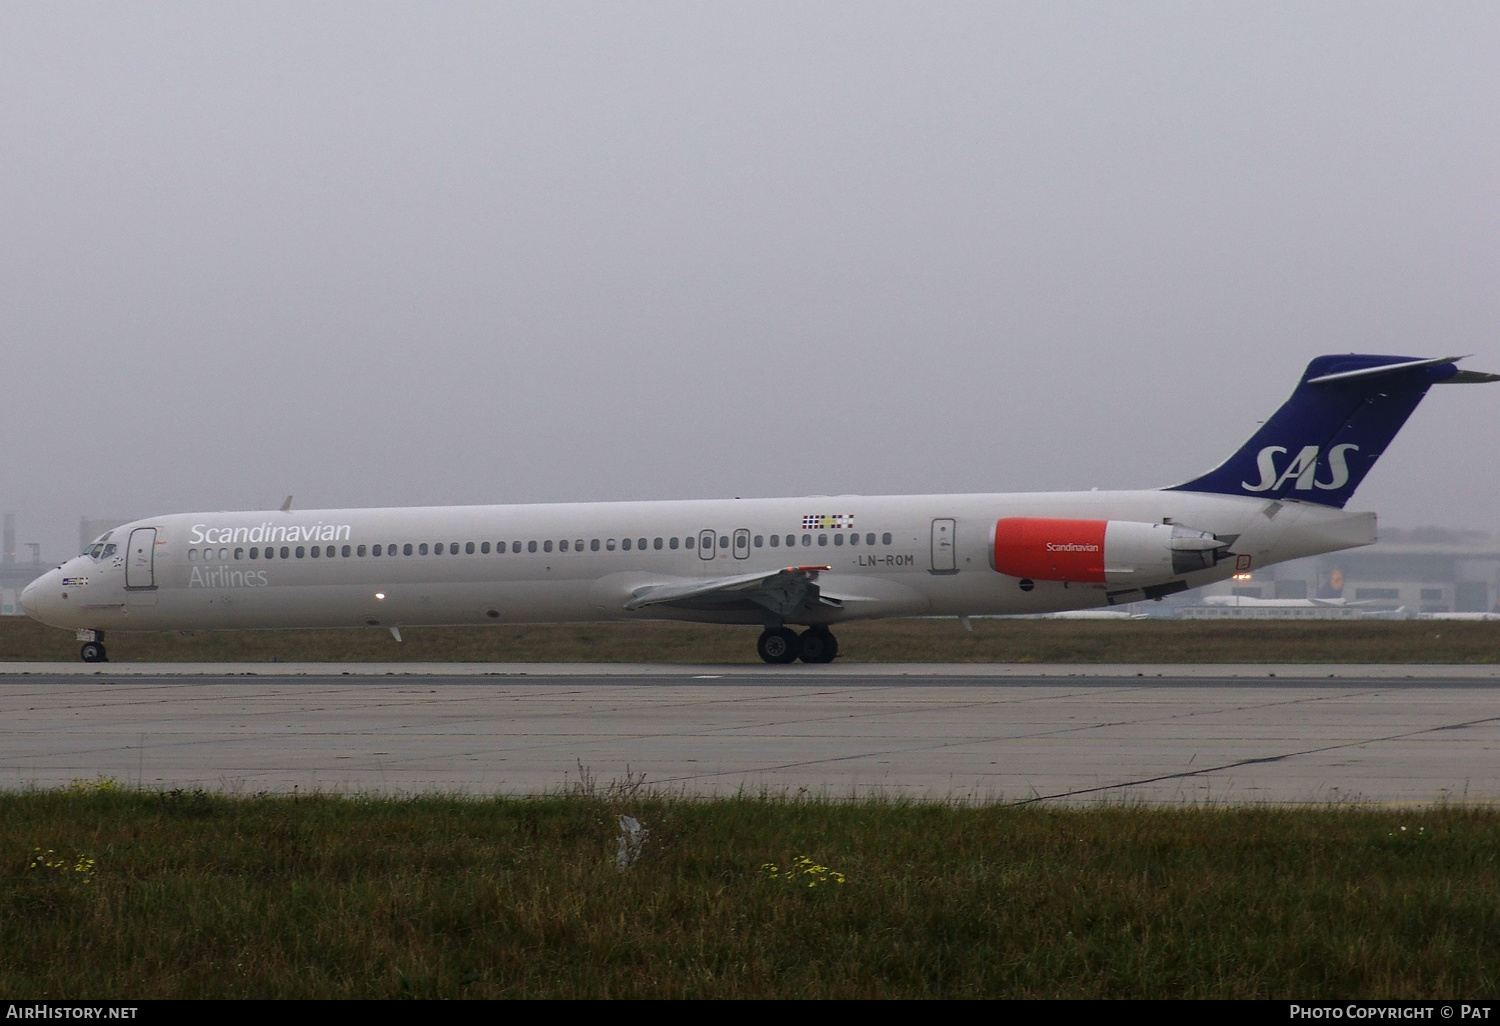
(268, 532)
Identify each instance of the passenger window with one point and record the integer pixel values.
(807, 539)
(672, 542)
(562, 546)
(469, 548)
(314, 552)
(547, 546)
(885, 539)
(838, 539)
(223, 553)
(656, 543)
(255, 553)
(515, 546)
(775, 540)
(578, 544)
(406, 549)
(531, 546)
(640, 543)
(239, 553)
(300, 551)
(688, 541)
(723, 541)
(360, 550)
(870, 538)
(822, 539)
(453, 548)
(854, 538)
(192, 555)
(286, 553)
(791, 540)
(374, 550)
(610, 545)
(422, 549)
(484, 548)
(346, 551)
(760, 541)
(625, 544)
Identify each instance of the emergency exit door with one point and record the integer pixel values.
(140, 558)
(944, 559)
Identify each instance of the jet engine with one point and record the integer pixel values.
(1123, 552)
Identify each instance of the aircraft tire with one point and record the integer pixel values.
(93, 652)
(819, 645)
(780, 646)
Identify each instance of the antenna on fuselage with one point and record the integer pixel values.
(286, 507)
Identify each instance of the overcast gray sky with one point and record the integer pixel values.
(402, 254)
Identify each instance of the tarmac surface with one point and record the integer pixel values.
(1074, 734)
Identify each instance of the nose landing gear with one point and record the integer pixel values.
(93, 646)
(783, 645)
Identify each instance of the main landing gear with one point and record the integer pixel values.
(783, 645)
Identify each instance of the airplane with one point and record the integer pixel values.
(776, 564)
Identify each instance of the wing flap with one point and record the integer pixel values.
(780, 591)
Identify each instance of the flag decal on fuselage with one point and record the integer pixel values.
(828, 521)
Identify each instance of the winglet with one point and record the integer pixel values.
(286, 507)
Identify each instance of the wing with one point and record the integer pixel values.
(781, 592)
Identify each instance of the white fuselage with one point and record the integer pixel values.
(887, 556)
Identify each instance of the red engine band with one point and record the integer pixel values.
(1050, 550)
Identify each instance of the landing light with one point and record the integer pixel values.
(380, 595)
(1241, 577)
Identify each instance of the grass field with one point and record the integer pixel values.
(992, 641)
(196, 895)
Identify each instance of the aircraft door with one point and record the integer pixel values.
(742, 543)
(944, 558)
(706, 542)
(140, 558)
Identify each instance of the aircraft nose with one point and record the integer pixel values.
(37, 598)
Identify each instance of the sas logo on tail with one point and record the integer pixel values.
(1303, 469)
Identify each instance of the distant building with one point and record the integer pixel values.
(15, 572)
(1428, 570)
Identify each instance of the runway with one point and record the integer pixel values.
(1166, 735)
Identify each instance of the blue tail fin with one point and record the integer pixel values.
(1323, 441)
